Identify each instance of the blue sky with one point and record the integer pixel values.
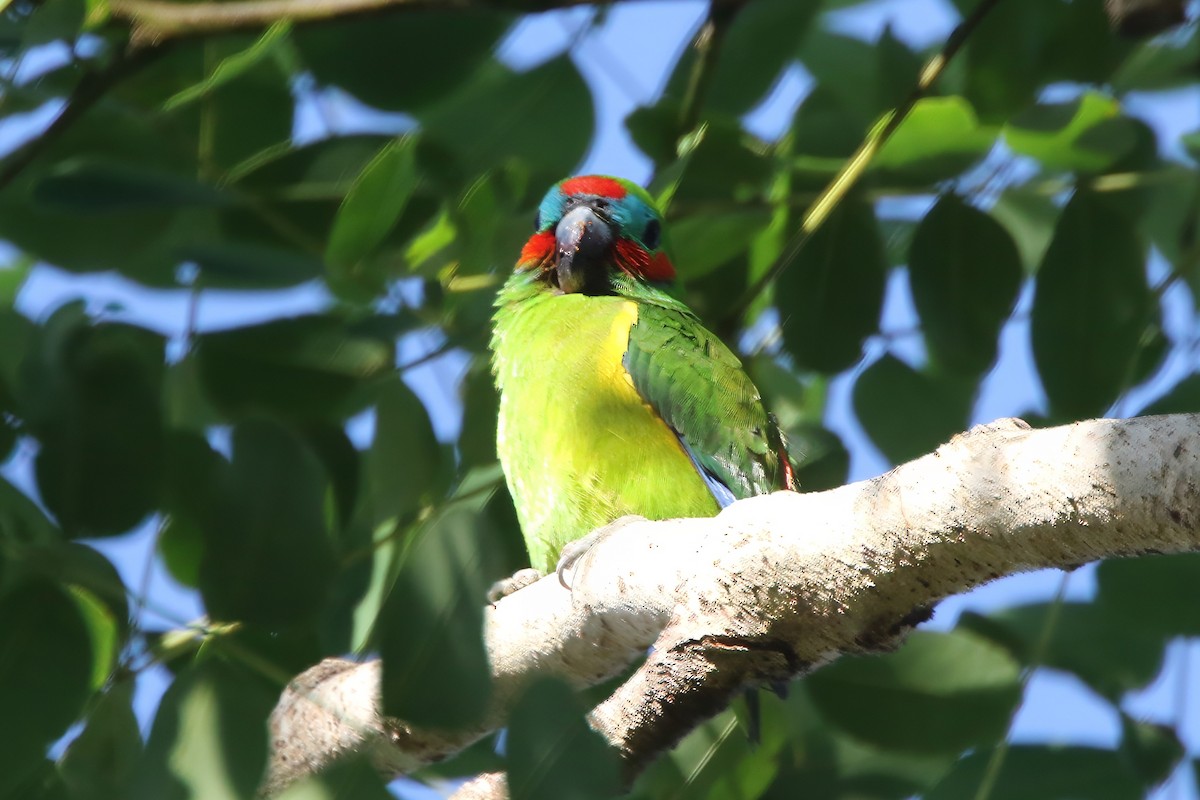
(625, 63)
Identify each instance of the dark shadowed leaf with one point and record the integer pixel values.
(431, 627)
(99, 763)
(909, 413)
(939, 693)
(1183, 398)
(403, 60)
(1153, 750)
(45, 673)
(268, 554)
(1029, 218)
(1004, 55)
(1151, 593)
(92, 394)
(518, 105)
(702, 242)
(829, 299)
(346, 779)
(1110, 653)
(250, 266)
(552, 753)
(1087, 134)
(1091, 309)
(403, 468)
(1040, 772)
(210, 736)
(97, 188)
(302, 367)
(964, 271)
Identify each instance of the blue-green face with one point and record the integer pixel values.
(590, 227)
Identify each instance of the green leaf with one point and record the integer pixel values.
(552, 753)
(1005, 54)
(1153, 750)
(403, 467)
(830, 298)
(99, 763)
(1029, 218)
(702, 242)
(965, 272)
(21, 520)
(1041, 772)
(939, 693)
(938, 139)
(53, 20)
(1087, 134)
(268, 558)
(97, 187)
(91, 394)
(370, 210)
(209, 737)
(1182, 398)
(405, 59)
(1091, 308)
(250, 266)
(516, 104)
(431, 626)
(1109, 653)
(307, 367)
(1151, 592)
(909, 413)
(233, 66)
(45, 673)
(345, 779)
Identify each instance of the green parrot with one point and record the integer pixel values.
(614, 398)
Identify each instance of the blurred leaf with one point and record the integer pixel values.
(302, 367)
(371, 207)
(1107, 652)
(939, 693)
(1005, 55)
(1029, 218)
(1041, 772)
(403, 468)
(99, 763)
(233, 66)
(1152, 750)
(702, 242)
(909, 413)
(518, 130)
(552, 753)
(53, 20)
(431, 627)
(1087, 134)
(20, 518)
(209, 737)
(268, 557)
(1182, 398)
(345, 779)
(403, 60)
(250, 266)
(830, 298)
(101, 188)
(938, 139)
(91, 394)
(103, 630)
(1151, 593)
(1159, 63)
(1091, 308)
(45, 673)
(965, 272)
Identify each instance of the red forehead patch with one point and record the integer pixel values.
(598, 185)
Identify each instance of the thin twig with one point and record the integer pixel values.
(854, 168)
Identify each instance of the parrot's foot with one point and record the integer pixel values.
(573, 551)
(521, 579)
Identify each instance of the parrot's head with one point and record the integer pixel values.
(591, 229)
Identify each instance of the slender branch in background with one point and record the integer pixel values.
(90, 89)
(857, 164)
(708, 50)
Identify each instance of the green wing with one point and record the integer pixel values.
(693, 381)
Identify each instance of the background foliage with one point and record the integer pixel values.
(1022, 195)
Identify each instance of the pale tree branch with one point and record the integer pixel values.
(778, 585)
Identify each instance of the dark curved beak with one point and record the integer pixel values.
(585, 242)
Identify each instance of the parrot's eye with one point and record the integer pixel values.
(652, 234)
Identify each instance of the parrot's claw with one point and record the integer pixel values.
(521, 579)
(573, 551)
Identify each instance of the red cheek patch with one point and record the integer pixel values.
(593, 184)
(537, 250)
(634, 259)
